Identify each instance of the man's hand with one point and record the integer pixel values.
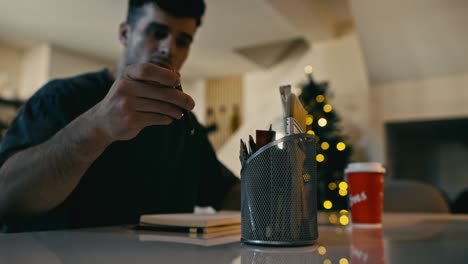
(143, 96)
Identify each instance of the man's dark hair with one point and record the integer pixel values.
(177, 8)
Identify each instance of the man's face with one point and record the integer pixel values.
(157, 34)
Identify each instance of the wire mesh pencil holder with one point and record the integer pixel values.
(279, 193)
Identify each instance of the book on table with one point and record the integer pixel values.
(192, 220)
(236, 228)
(220, 222)
(201, 229)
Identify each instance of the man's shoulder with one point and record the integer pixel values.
(84, 83)
(69, 97)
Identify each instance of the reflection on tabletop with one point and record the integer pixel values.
(404, 238)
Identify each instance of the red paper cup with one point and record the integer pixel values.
(365, 181)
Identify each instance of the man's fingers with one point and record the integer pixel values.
(159, 107)
(158, 92)
(154, 119)
(151, 73)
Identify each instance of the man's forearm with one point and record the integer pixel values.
(38, 179)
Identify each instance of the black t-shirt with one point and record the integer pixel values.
(163, 170)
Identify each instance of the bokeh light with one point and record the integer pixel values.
(322, 122)
(340, 146)
(343, 185)
(325, 145)
(320, 158)
(320, 98)
(327, 205)
(309, 120)
(344, 220)
(327, 108)
(333, 219)
(322, 250)
(308, 69)
(344, 261)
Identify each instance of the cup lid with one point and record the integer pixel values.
(365, 167)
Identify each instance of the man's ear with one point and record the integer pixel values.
(124, 31)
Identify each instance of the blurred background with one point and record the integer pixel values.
(397, 71)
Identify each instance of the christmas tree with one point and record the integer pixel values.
(333, 152)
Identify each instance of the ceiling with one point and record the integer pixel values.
(401, 39)
(317, 20)
(90, 27)
(412, 40)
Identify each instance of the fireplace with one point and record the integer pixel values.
(434, 152)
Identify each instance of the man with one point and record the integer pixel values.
(105, 147)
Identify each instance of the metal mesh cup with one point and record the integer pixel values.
(279, 193)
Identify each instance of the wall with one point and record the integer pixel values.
(222, 96)
(30, 68)
(10, 73)
(436, 98)
(34, 70)
(10, 67)
(65, 63)
(197, 90)
(338, 61)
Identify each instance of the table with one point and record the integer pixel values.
(404, 238)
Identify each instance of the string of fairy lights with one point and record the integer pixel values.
(321, 122)
(334, 217)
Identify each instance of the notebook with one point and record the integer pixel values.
(225, 229)
(192, 220)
